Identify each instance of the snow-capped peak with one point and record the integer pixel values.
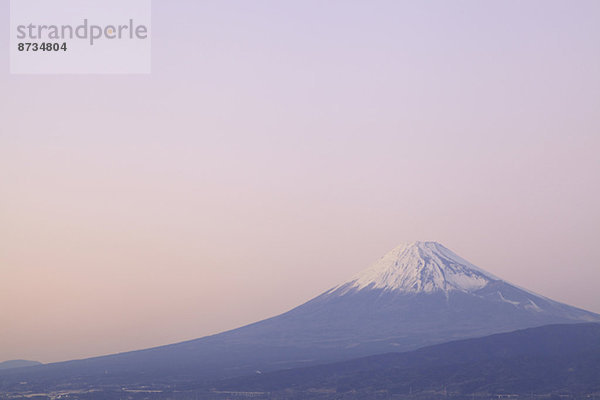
(420, 267)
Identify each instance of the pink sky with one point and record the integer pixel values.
(280, 147)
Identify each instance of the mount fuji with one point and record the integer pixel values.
(416, 295)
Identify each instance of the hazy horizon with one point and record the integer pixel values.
(278, 149)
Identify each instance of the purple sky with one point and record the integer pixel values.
(280, 147)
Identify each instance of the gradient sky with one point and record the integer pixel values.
(278, 148)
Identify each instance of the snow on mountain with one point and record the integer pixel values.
(420, 267)
(429, 268)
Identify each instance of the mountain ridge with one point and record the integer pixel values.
(9, 364)
(540, 360)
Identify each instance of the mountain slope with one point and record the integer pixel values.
(417, 295)
(543, 360)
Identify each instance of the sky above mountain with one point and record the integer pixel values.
(279, 148)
